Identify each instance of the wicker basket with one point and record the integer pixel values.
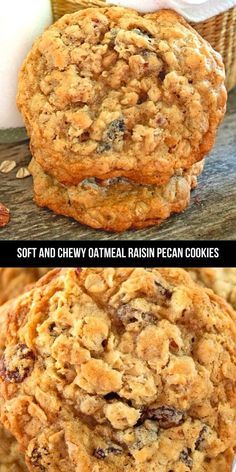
(220, 31)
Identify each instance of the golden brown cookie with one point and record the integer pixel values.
(222, 281)
(11, 460)
(106, 92)
(14, 280)
(107, 370)
(117, 204)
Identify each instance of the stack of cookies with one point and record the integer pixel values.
(121, 109)
(113, 370)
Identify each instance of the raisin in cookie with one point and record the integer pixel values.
(222, 281)
(107, 92)
(116, 204)
(107, 370)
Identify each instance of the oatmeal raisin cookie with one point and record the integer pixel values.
(107, 92)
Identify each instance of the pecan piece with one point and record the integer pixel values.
(4, 215)
(7, 166)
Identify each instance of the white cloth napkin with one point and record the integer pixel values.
(192, 10)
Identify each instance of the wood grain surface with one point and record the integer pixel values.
(211, 215)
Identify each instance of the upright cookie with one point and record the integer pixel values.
(108, 370)
(116, 204)
(106, 92)
(222, 281)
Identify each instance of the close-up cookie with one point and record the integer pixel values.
(222, 281)
(117, 204)
(11, 459)
(107, 92)
(107, 370)
(14, 280)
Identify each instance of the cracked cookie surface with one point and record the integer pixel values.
(121, 369)
(106, 92)
(221, 281)
(116, 204)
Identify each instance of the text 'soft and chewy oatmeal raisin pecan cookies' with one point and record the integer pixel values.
(108, 370)
(107, 92)
(115, 204)
(222, 281)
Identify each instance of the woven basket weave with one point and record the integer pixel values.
(220, 31)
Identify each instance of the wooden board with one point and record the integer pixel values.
(211, 215)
